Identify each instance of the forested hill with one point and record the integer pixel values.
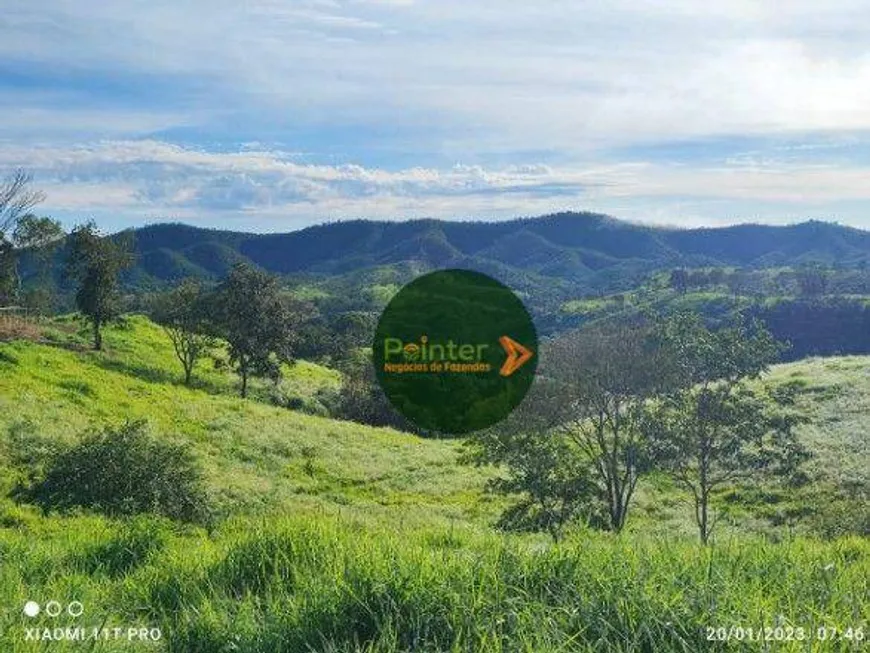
(580, 251)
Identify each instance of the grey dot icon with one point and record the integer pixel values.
(53, 609)
(75, 609)
(32, 609)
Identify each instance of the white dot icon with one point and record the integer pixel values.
(31, 608)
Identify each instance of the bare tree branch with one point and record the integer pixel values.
(17, 198)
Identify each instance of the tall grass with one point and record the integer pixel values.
(322, 584)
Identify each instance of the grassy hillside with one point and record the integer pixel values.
(340, 537)
(257, 456)
(833, 322)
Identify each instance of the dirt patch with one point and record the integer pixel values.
(13, 327)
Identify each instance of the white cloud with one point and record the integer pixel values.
(152, 178)
(398, 81)
(500, 75)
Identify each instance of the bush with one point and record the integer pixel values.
(840, 516)
(124, 471)
(360, 399)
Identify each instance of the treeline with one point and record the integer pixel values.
(809, 280)
(828, 326)
(246, 311)
(250, 315)
(816, 311)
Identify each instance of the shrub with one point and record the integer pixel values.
(841, 516)
(360, 399)
(124, 471)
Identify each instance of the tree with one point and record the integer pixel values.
(607, 374)
(738, 282)
(577, 447)
(95, 262)
(812, 280)
(679, 280)
(8, 273)
(123, 471)
(714, 429)
(41, 237)
(17, 197)
(183, 314)
(361, 398)
(250, 314)
(546, 472)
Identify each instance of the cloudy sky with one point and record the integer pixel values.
(271, 115)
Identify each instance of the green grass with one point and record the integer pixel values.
(835, 396)
(340, 537)
(257, 457)
(299, 584)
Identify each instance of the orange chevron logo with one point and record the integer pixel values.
(517, 355)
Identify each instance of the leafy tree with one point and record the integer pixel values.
(679, 280)
(715, 430)
(606, 375)
(41, 234)
(549, 476)
(95, 262)
(183, 314)
(250, 314)
(577, 446)
(716, 277)
(812, 280)
(42, 237)
(738, 282)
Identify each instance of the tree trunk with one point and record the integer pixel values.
(188, 373)
(703, 521)
(98, 336)
(244, 373)
(18, 282)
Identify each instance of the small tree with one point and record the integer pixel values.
(716, 430)
(360, 398)
(606, 375)
(812, 280)
(183, 314)
(95, 262)
(249, 313)
(577, 446)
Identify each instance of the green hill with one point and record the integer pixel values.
(341, 537)
(555, 254)
(257, 456)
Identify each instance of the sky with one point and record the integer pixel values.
(270, 115)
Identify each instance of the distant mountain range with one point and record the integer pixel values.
(577, 251)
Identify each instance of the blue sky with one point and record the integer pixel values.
(271, 115)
